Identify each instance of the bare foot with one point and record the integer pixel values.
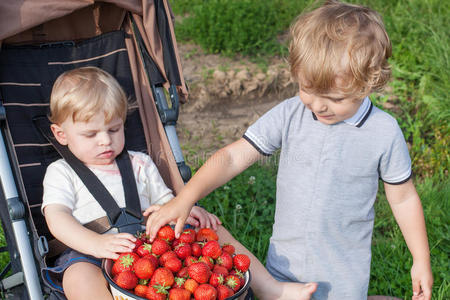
(297, 291)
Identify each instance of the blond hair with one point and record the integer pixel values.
(83, 92)
(340, 41)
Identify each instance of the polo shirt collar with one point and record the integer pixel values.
(360, 116)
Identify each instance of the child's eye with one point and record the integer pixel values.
(114, 130)
(89, 135)
(337, 99)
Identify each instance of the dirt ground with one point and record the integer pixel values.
(226, 96)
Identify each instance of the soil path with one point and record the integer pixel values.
(226, 96)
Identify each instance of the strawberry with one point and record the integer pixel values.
(225, 260)
(220, 270)
(165, 256)
(207, 260)
(207, 234)
(160, 246)
(144, 268)
(223, 292)
(239, 274)
(212, 249)
(190, 260)
(241, 262)
(175, 243)
(162, 276)
(188, 236)
(205, 292)
(233, 282)
(190, 285)
(196, 248)
(183, 250)
(228, 248)
(124, 262)
(179, 282)
(166, 233)
(216, 279)
(200, 272)
(179, 294)
(126, 280)
(141, 289)
(183, 273)
(157, 292)
(173, 264)
(144, 249)
(153, 259)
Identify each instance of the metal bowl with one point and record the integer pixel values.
(122, 294)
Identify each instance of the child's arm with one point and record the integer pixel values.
(407, 210)
(218, 169)
(200, 217)
(69, 231)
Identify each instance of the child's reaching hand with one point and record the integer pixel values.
(200, 217)
(109, 245)
(180, 212)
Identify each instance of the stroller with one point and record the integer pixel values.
(132, 40)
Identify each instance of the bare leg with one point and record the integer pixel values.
(263, 284)
(85, 281)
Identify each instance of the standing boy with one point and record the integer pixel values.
(335, 146)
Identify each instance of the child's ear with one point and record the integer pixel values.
(59, 134)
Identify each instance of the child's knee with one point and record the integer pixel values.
(83, 274)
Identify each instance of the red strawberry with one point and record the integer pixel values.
(223, 292)
(190, 285)
(126, 280)
(179, 282)
(239, 274)
(157, 292)
(144, 268)
(165, 256)
(188, 236)
(153, 259)
(144, 249)
(228, 248)
(166, 233)
(175, 243)
(216, 279)
(205, 292)
(190, 260)
(241, 262)
(183, 273)
(225, 260)
(207, 260)
(220, 270)
(200, 272)
(233, 282)
(212, 249)
(173, 264)
(207, 234)
(183, 250)
(124, 262)
(196, 248)
(162, 276)
(141, 289)
(160, 246)
(179, 294)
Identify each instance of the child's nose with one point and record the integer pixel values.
(318, 105)
(104, 139)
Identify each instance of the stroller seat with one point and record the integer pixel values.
(30, 63)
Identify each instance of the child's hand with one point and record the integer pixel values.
(109, 245)
(422, 281)
(294, 291)
(199, 217)
(176, 210)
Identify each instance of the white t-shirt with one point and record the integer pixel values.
(63, 186)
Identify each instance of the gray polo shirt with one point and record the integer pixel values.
(326, 187)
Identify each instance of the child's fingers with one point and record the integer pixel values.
(151, 209)
(416, 287)
(192, 221)
(179, 228)
(427, 291)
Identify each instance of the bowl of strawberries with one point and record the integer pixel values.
(194, 266)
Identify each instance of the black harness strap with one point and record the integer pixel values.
(123, 219)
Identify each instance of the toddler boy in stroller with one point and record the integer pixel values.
(88, 109)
